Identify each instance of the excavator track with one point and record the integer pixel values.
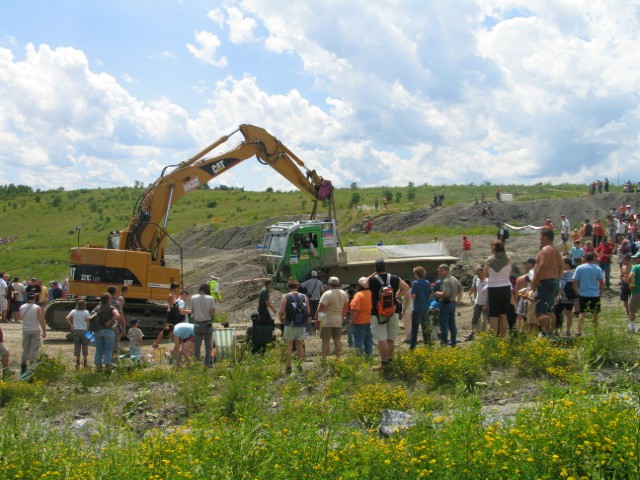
(152, 315)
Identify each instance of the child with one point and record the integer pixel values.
(135, 340)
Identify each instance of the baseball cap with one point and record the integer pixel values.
(314, 273)
(334, 281)
(364, 282)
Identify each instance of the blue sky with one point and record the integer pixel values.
(378, 93)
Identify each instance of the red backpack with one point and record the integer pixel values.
(386, 298)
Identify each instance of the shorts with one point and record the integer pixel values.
(3, 349)
(384, 331)
(590, 304)
(330, 332)
(634, 303)
(3, 303)
(292, 333)
(546, 294)
(499, 300)
(625, 292)
(564, 237)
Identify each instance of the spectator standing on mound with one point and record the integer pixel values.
(385, 329)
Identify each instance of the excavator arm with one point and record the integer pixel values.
(147, 227)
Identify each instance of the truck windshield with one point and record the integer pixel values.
(276, 245)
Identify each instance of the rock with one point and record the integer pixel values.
(393, 421)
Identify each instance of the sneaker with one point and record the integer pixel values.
(469, 337)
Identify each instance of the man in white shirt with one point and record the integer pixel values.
(565, 228)
(203, 309)
(3, 297)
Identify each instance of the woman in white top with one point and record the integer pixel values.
(77, 321)
(497, 270)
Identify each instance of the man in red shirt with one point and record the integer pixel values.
(604, 252)
(598, 233)
(466, 250)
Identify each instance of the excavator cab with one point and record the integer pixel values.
(293, 249)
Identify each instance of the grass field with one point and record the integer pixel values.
(525, 408)
(45, 222)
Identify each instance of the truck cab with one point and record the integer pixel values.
(293, 249)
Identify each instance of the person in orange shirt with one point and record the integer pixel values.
(360, 310)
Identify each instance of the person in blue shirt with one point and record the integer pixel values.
(588, 282)
(421, 294)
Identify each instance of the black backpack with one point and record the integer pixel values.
(505, 236)
(173, 315)
(569, 292)
(296, 310)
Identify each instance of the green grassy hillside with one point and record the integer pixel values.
(45, 222)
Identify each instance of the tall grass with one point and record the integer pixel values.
(249, 420)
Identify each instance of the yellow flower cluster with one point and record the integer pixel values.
(368, 402)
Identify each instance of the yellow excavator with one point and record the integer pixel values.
(135, 256)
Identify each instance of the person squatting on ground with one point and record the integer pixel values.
(183, 341)
(449, 293)
(588, 282)
(294, 313)
(385, 329)
(203, 308)
(334, 303)
(497, 270)
(105, 335)
(360, 313)
(77, 320)
(32, 317)
(478, 295)
(546, 274)
(421, 295)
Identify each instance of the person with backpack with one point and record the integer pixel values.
(386, 311)
(334, 303)
(503, 233)
(568, 298)
(294, 313)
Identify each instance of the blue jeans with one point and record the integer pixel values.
(606, 269)
(203, 332)
(420, 318)
(362, 339)
(104, 346)
(448, 323)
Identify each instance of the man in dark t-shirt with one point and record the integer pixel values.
(385, 329)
